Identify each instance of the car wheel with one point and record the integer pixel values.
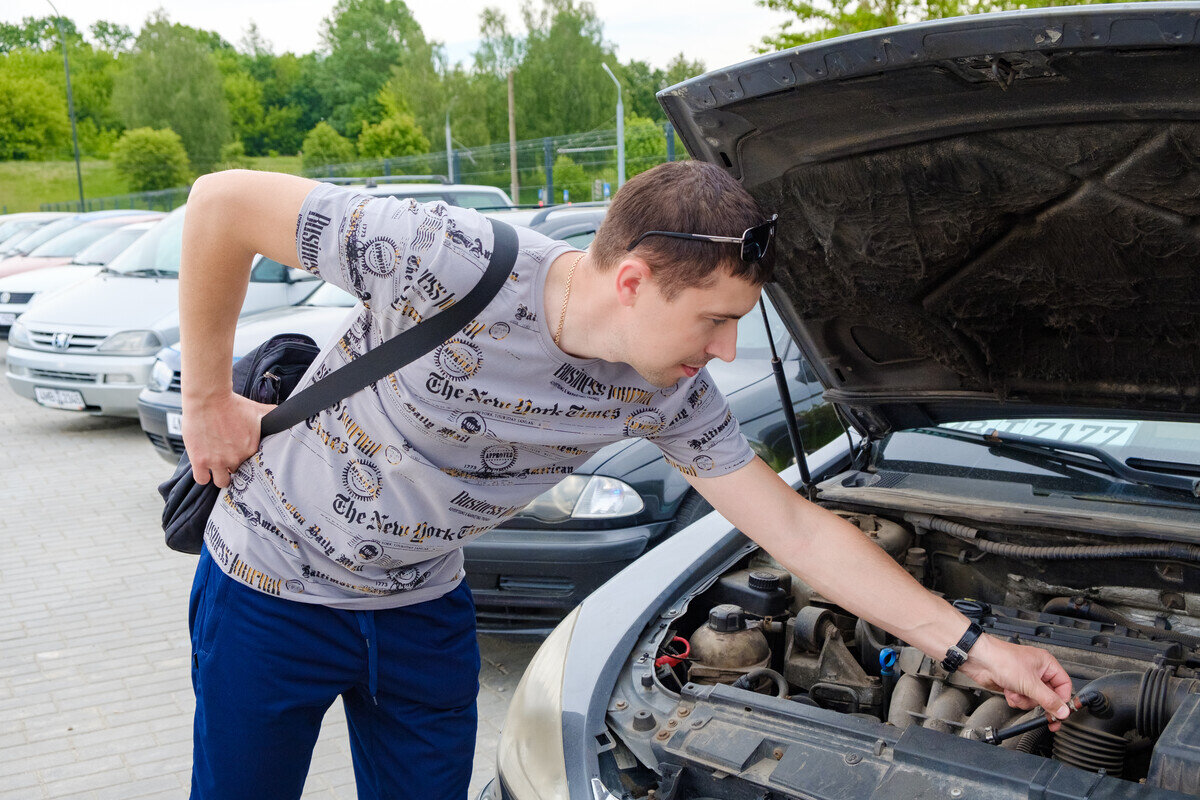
(691, 509)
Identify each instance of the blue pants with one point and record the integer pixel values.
(265, 670)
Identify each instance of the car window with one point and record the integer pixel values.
(13, 228)
(68, 243)
(157, 250)
(582, 240)
(267, 270)
(752, 335)
(329, 296)
(482, 200)
(107, 248)
(45, 234)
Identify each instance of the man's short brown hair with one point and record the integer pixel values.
(683, 197)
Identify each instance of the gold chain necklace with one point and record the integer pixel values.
(562, 317)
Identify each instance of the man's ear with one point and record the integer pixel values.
(631, 279)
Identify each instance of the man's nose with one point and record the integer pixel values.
(724, 344)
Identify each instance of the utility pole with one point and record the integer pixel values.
(512, 141)
(620, 129)
(449, 150)
(62, 37)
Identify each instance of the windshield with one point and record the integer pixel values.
(106, 249)
(44, 234)
(157, 252)
(1051, 454)
(15, 228)
(328, 295)
(68, 243)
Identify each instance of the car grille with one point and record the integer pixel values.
(168, 442)
(16, 298)
(176, 383)
(59, 375)
(77, 342)
(495, 617)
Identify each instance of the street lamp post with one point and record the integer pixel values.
(70, 102)
(620, 129)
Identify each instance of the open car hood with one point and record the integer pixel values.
(982, 217)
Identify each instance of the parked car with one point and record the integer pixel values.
(18, 291)
(17, 247)
(22, 223)
(160, 403)
(464, 195)
(91, 347)
(987, 253)
(63, 248)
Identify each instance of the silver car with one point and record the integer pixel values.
(91, 347)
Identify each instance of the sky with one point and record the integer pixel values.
(717, 32)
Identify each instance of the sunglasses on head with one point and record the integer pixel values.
(754, 241)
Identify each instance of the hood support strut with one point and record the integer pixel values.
(789, 412)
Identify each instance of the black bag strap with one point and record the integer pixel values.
(400, 350)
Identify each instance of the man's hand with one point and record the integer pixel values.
(1028, 676)
(220, 433)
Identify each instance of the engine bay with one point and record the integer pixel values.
(754, 680)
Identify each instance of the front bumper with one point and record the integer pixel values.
(152, 410)
(109, 384)
(525, 581)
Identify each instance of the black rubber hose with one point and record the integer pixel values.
(748, 680)
(1077, 552)
(1086, 609)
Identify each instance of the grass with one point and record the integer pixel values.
(25, 185)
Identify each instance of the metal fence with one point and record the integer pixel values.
(555, 169)
(163, 199)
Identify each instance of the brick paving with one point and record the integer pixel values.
(95, 691)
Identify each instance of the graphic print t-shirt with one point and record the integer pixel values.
(368, 504)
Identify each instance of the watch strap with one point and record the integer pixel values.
(956, 656)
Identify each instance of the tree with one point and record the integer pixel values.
(560, 85)
(172, 81)
(392, 137)
(111, 36)
(33, 118)
(366, 38)
(323, 145)
(645, 144)
(37, 33)
(233, 156)
(572, 177)
(151, 159)
(822, 19)
(243, 97)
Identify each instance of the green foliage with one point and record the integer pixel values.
(572, 177)
(391, 137)
(25, 185)
(324, 145)
(111, 36)
(38, 33)
(171, 81)
(560, 84)
(645, 144)
(243, 98)
(233, 156)
(33, 118)
(366, 39)
(151, 159)
(94, 140)
(823, 19)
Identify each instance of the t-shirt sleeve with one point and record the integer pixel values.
(403, 259)
(707, 441)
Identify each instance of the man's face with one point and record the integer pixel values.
(673, 339)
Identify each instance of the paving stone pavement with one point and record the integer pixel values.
(95, 691)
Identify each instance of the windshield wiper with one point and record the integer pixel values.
(149, 272)
(1100, 460)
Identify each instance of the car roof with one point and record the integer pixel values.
(141, 218)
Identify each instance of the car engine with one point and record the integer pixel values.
(754, 681)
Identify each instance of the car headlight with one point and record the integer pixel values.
(18, 334)
(132, 343)
(585, 497)
(160, 376)
(530, 758)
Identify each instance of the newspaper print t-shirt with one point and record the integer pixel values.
(368, 503)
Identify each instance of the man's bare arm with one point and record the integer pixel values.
(840, 563)
(230, 217)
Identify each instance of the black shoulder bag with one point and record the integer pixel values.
(270, 372)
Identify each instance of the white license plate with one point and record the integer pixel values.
(1076, 431)
(7, 319)
(175, 423)
(60, 398)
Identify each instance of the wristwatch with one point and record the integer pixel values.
(957, 654)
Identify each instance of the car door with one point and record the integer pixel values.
(273, 284)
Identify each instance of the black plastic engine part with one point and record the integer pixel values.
(1087, 609)
(1175, 764)
(760, 592)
